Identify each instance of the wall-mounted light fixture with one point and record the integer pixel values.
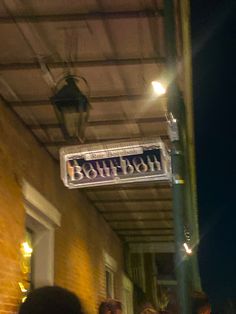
(26, 249)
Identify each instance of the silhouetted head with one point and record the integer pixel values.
(51, 300)
(200, 303)
(110, 306)
(147, 308)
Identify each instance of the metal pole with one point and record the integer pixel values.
(190, 142)
(179, 205)
(176, 109)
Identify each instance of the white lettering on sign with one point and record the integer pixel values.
(89, 171)
(105, 169)
(113, 153)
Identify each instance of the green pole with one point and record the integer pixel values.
(191, 192)
(179, 202)
(176, 108)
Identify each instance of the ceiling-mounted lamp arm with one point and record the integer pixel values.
(76, 78)
(47, 74)
(86, 84)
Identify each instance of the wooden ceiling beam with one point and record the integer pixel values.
(131, 200)
(150, 242)
(146, 235)
(134, 219)
(101, 123)
(165, 247)
(88, 141)
(93, 99)
(137, 228)
(133, 187)
(131, 211)
(90, 16)
(14, 66)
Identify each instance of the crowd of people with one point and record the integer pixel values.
(57, 300)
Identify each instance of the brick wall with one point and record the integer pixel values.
(79, 242)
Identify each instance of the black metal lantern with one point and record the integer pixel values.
(72, 108)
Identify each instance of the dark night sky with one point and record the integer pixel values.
(214, 70)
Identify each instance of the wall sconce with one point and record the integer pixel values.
(26, 249)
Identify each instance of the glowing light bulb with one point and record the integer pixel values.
(22, 288)
(27, 250)
(187, 249)
(158, 88)
(23, 299)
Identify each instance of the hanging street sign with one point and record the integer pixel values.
(114, 163)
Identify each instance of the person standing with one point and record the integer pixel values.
(51, 300)
(110, 306)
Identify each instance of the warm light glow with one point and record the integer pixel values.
(27, 250)
(158, 88)
(22, 288)
(187, 249)
(23, 299)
